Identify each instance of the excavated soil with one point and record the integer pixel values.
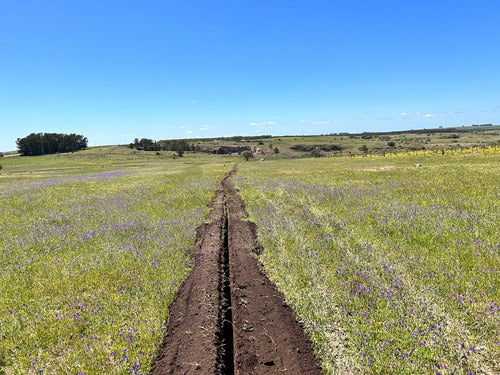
(228, 318)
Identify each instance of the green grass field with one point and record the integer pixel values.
(459, 140)
(93, 248)
(393, 268)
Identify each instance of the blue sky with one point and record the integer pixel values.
(116, 70)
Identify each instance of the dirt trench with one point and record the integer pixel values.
(228, 318)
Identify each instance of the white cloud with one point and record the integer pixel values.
(189, 132)
(194, 101)
(320, 122)
(426, 115)
(182, 127)
(263, 123)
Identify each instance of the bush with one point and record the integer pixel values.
(316, 153)
(308, 148)
(276, 150)
(247, 155)
(391, 144)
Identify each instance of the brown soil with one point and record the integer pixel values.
(228, 318)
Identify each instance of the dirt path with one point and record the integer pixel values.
(228, 318)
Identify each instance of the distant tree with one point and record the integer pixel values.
(1, 167)
(247, 155)
(391, 144)
(50, 143)
(276, 150)
(364, 149)
(146, 144)
(180, 151)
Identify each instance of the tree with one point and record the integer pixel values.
(146, 144)
(180, 151)
(391, 144)
(276, 150)
(50, 143)
(247, 155)
(364, 149)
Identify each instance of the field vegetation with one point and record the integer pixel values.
(93, 248)
(392, 263)
(466, 139)
(391, 260)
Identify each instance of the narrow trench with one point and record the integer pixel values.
(225, 357)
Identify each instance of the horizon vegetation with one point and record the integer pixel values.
(338, 144)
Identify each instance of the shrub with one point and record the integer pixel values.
(247, 155)
(316, 153)
(308, 148)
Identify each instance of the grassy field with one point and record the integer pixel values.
(393, 268)
(93, 248)
(459, 140)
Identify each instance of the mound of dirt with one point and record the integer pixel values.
(228, 317)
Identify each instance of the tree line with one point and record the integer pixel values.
(177, 145)
(50, 143)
